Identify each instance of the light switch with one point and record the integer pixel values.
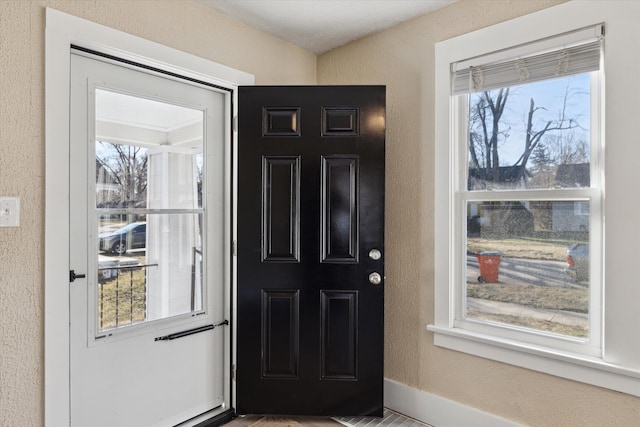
(9, 211)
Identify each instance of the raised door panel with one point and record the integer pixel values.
(339, 209)
(339, 335)
(280, 342)
(281, 209)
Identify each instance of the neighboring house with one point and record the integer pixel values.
(108, 190)
(493, 218)
(577, 175)
(482, 178)
(571, 216)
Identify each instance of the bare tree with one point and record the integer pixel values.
(567, 148)
(485, 133)
(126, 166)
(485, 130)
(533, 137)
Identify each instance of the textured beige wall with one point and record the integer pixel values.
(403, 59)
(181, 24)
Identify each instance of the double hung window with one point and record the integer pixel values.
(524, 272)
(524, 169)
(527, 192)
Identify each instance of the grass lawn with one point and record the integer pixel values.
(122, 299)
(542, 325)
(543, 248)
(566, 299)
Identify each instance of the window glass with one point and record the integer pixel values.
(149, 268)
(121, 175)
(532, 136)
(150, 164)
(528, 265)
(527, 259)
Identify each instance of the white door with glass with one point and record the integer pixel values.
(149, 171)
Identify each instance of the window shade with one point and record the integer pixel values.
(565, 61)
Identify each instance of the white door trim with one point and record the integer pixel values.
(63, 30)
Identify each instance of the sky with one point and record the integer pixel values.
(548, 95)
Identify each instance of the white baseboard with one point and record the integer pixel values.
(435, 410)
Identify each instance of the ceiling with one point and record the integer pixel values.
(321, 25)
(142, 122)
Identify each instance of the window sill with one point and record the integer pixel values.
(586, 369)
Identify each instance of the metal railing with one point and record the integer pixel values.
(122, 299)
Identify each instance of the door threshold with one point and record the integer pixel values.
(283, 421)
(208, 419)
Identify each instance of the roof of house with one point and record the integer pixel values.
(576, 175)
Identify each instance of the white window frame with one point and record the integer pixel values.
(592, 196)
(63, 30)
(611, 361)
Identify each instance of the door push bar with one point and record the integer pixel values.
(188, 332)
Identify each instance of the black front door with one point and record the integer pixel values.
(310, 250)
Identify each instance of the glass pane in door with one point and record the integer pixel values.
(149, 168)
(154, 272)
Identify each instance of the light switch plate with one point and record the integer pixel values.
(9, 211)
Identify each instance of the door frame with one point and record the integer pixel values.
(63, 30)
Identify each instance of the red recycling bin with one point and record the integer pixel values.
(489, 262)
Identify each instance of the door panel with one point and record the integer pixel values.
(339, 335)
(281, 209)
(148, 179)
(280, 336)
(339, 209)
(310, 208)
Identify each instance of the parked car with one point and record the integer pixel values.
(578, 261)
(131, 236)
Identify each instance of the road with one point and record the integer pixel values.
(527, 272)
